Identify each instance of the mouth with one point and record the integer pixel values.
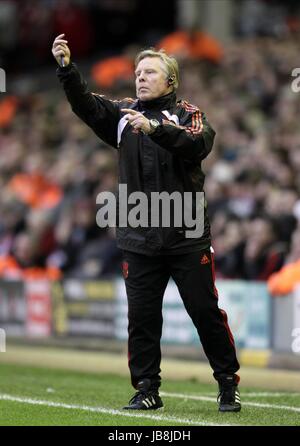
(143, 88)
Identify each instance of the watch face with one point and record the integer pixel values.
(154, 123)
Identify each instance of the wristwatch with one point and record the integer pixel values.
(154, 123)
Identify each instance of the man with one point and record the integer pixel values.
(161, 143)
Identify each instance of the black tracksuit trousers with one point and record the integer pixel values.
(146, 279)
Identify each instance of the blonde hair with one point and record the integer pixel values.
(169, 62)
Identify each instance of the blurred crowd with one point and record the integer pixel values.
(252, 183)
(52, 166)
(93, 27)
(51, 169)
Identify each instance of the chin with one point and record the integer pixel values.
(147, 96)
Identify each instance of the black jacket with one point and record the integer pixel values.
(167, 160)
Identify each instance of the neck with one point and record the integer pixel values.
(164, 102)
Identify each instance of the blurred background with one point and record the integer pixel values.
(60, 273)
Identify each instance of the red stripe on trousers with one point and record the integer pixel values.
(214, 274)
(224, 315)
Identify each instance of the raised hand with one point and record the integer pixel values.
(61, 51)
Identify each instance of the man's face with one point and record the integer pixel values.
(151, 79)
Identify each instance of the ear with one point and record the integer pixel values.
(171, 80)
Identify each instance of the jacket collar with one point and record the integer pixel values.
(166, 102)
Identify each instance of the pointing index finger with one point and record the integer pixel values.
(129, 111)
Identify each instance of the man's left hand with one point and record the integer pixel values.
(137, 120)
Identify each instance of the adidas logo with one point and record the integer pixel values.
(149, 402)
(204, 260)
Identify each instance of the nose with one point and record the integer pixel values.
(141, 77)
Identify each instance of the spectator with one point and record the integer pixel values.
(23, 262)
(263, 254)
(284, 281)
